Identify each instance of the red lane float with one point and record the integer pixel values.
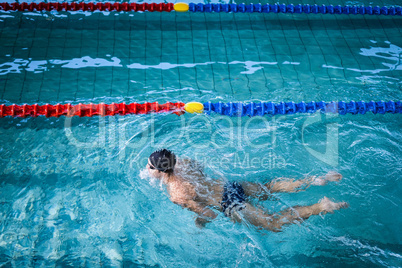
(90, 110)
(75, 6)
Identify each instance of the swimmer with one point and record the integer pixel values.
(188, 187)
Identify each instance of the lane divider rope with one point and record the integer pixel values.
(200, 7)
(229, 109)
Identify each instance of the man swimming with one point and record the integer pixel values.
(190, 188)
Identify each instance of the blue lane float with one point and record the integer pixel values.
(296, 9)
(282, 108)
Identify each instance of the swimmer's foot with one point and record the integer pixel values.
(333, 176)
(327, 206)
(330, 176)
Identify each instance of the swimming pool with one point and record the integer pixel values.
(74, 190)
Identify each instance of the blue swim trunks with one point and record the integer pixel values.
(233, 197)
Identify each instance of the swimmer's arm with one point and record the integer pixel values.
(205, 214)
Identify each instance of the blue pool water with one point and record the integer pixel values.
(75, 192)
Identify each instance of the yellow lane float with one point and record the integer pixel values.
(194, 107)
(181, 7)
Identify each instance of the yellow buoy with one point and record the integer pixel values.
(194, 107)
(181, 7)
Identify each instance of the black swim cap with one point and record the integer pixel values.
(163, 160)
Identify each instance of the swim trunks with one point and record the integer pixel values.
(233, 197)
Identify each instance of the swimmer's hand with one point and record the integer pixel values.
(201, 222)
(205, 214)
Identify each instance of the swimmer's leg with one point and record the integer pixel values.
(261, 191)
(274, 222)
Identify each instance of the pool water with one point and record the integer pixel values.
(75, 191)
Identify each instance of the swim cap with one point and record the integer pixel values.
(163, 160)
